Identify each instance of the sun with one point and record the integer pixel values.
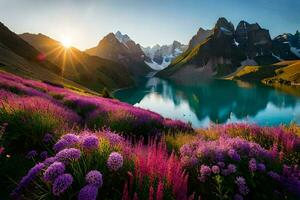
(66, 42)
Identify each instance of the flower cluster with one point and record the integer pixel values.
(61, 184)
(66, 155)
(54, 170)
(227, 158)
(67, 141)
(221, 149)
(94, 182)
(90, 142)
(26, 180)
(241, 183)
(115, 161)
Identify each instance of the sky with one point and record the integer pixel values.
(147, 22)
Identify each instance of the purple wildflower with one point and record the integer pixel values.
(68, 154)
(60, 145)
(67, 141)
(72, 139)
(205, 170)
(274, 175)
(47, 138)
(231, 168)
(50, 160)
(54, 170)
(261, 167)
(234, 155)
(241, 183)
(90, 142)
(215, 169)
(88, 192)
(252, 165)
(30, 176)
(115, 161)
(114, 138)
(31, 154)
(43, 155)
(61, 184)
(94, 177)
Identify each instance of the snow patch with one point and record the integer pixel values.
(122, 38)
(236, 43)
(225, 30)
(154, 65)
(295, 51)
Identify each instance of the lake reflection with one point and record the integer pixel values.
(218, 101)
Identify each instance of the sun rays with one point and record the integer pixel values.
(70, 60)
(66, 42)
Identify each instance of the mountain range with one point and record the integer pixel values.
(161, 56)
(116, 61)
(226, 48)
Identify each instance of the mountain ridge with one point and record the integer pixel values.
(120, 48)
(161, 56)
(226, 49)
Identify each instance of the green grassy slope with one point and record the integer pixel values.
(284, 75)
(182, 60)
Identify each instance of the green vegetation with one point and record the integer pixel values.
(284, 75)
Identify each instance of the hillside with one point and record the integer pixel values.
(288, 73)
(284, 72)
(19, 57)
(51, 149)
(90, 71)
(284, 75)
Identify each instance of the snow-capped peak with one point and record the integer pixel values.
(122, 38)
(161, 56)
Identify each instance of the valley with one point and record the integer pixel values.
(149, 100)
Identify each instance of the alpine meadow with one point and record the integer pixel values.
(149, 100)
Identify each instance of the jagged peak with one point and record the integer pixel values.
(201, 30)
(243, 23)
(222, 20)
(223, 23)
(123, 38)
(110, 36)
(175, 42)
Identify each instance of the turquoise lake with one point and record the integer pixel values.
(218, 101)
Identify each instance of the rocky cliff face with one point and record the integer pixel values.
(227, 48)
(200, 37)
(288, 41)
(253, 40)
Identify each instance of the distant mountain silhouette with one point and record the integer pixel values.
(90, 71)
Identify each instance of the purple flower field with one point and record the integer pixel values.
(58, 143)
